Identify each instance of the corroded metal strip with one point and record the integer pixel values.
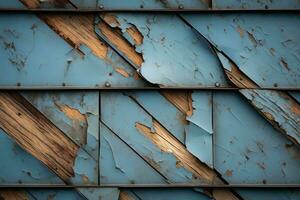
(33, 132)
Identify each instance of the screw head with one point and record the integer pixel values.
(101, 6)
(217, 84)
(107, 84)
(181, 6)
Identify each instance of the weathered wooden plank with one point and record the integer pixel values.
(10, 194)
(37, 135)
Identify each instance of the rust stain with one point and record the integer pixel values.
(37, 135)
(122, 72)
(295, 107)
(13, 194)
(241, 31)
(136, 35)
(167, 143)
(284, 63)
(115, 37)
(181, 100)
(252, 39)
(228, 173)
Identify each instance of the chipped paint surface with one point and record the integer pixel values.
(267, 52)
(261, 4)
(200, 66)
(67, 62)
(245, 145)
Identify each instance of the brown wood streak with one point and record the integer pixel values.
(11, 194)
(37, 135)
(121, 43)
(167, 143)
(125, 196)
(180, 99)
(77, 29)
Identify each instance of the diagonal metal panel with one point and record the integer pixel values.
(244, 4)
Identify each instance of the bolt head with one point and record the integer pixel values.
(217, 84)
(107, 84)
(101, 6)
(181, 6)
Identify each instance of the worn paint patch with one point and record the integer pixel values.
(37, 135)
(10, 194)
(268, 53)
(159, 48)
(245, 143)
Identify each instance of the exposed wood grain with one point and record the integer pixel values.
(121, 43)
(37, 135)
(125, 196)
(10, 194)
(75, 28)
(182, 100)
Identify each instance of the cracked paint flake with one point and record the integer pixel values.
(64, 65)
(266, 52)
(156, 36)
(281, 110)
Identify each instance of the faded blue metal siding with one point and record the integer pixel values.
(221, 121)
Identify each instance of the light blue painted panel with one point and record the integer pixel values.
(247, 148)
(19, 167)
(165, 53)
(121, 114)
(119, 164)
(251, 4)
(55, 194)
(264, 47)
(35, 56)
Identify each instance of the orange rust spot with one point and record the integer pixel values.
(13, 194)
(122, 72)
(241, 31)
(135, 34)
(295, 107)
(85, 179)
(181, 100)
(121, 44)
(228, 173)
(167, 143)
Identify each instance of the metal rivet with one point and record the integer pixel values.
(181, 6)
(141, 6)
(107, 84)
(101, 6)
(275, 85)
(63, 84)
(217, 84)
(18, 84)
(69, 61)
